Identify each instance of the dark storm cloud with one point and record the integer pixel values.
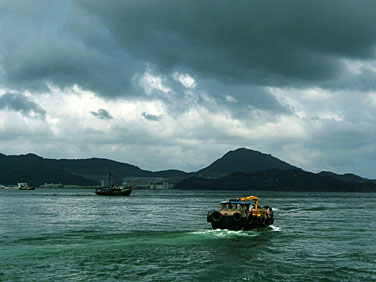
(102, 45)
(363, 80)
(102, 114)
(22, 104)
(243, 98)
(60, 45)
(151, 117)
(260, 42)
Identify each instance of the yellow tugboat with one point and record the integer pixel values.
(241, 214)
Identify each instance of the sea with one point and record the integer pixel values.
(163, 235)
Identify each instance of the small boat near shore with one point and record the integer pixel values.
(241, 214)
(113, 190)
(26, 188)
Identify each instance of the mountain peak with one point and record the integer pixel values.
(244, 160)
(32, 156)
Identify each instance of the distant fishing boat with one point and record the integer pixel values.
(113, 190)
(24, 186)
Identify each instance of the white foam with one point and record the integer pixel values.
(224, 233)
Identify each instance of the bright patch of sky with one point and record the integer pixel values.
(185, 79)
(150, 83)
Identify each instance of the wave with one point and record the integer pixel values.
(275, 228)
(223, 233)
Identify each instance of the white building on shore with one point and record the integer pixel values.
(147, 183)
(158, 185)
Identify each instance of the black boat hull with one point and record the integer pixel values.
(26, 188)
(239, 223)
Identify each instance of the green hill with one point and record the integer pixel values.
(349, 177)
(243, 160)
(240, 169)
(276, 180)
(35, 170)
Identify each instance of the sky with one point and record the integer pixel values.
(176, 84)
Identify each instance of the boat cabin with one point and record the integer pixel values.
(230, 207)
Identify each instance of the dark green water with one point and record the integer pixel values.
(74, 235)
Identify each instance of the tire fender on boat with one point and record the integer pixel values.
(237, 217)
(264, 220)
(216, 216)
(250, 219)
(259, 219)
(209, 217)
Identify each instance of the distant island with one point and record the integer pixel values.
(240, 169)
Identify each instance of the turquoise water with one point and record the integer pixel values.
(74, 235)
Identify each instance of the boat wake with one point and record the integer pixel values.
(224, 233)
(230, 233)
(275, 228)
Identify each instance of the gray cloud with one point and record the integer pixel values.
(242, 99)
(264, 43)
(62, 46)
(151, 117)
(102, 114)
(101, 46)
(22, 104)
